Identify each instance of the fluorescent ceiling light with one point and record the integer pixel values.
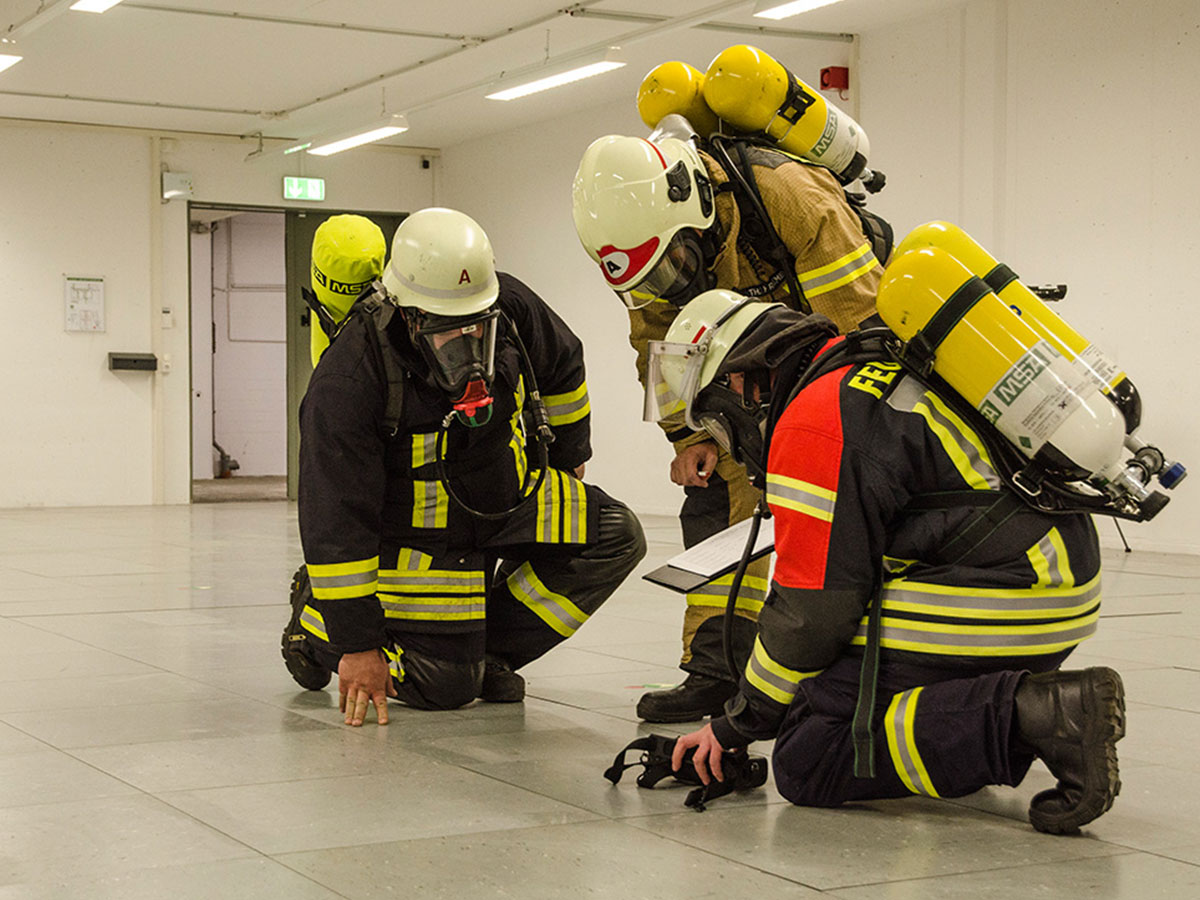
(7, 60)
(774, 9)
(94, 6)
(377, 131)
(542, 78)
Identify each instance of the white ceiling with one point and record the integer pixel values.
(297, 68)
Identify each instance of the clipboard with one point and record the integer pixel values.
(713, 557)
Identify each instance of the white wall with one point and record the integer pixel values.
(83, 201)
(1061, 136)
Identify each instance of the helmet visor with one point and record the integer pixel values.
(458, 349)
(669, 363)
(678, 276)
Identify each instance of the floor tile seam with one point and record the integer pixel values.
(631, 821)
(1166, 854)
(1019, 866)
(598, 817)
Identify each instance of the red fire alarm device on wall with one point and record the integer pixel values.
(835, 78)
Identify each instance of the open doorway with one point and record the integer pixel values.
(239, 355)
(250, 346)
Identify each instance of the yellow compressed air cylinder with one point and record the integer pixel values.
(1109, 376)
(1018, 379)
(754, 92)
(675, 87)
(348, 252)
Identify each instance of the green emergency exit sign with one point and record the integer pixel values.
(295, 188)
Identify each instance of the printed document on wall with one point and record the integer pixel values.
(84, 299)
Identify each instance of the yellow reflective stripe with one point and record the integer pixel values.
(563, 409)
(409, 559)
(1063, 558)
(751, 595)
(424, 449)
(395, 665)
(960, 459)
(430, 504)
(314, 623)
(801, 496)
(990, 603)
(552, 608)
(356, 567)
(974, 640)
(1041, 565)
(964, 430)
(581, 510)
(345, 580)
(434, 609)
(516, 441)
(772, 678)
(840, 272)
(902, 743)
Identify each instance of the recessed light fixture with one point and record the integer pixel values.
(773, 9)
(94, 6)
(552, 75)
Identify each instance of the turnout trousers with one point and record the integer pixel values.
(728, 499)
(937, 731)
(503, 600)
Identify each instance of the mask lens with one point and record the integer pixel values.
(458, 350)
(678, 275)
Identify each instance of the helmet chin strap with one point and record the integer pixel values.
(475, 397)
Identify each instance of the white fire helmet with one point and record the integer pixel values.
(442, 262)
(686, 362)
(635, 203)
(443, 275)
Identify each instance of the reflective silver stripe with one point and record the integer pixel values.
(571, 520)
(909, 394)
(967, 637)
(902, 742)
(777, 490)
(554, 609)
(433, 578)
(809, 285)
(410, 560)
(324, 582)
(746, 593)
(312, 622)
(444, 608)
(991, 603)
(565, 409)
(757, 671)
(395, 663)
(469, 290)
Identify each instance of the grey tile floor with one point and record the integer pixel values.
(153, 746)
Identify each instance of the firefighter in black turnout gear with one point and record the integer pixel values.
(448, 536)
(911, 641)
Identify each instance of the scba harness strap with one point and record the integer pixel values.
(742, 771)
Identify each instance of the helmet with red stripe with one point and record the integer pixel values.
(639, 206)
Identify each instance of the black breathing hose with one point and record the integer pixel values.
(760, 512)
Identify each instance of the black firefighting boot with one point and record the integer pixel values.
(1072, 722)
(307, 672)
(500, 683)
(698, 696)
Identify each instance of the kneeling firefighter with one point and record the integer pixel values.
(923, 599)
(447, 534)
